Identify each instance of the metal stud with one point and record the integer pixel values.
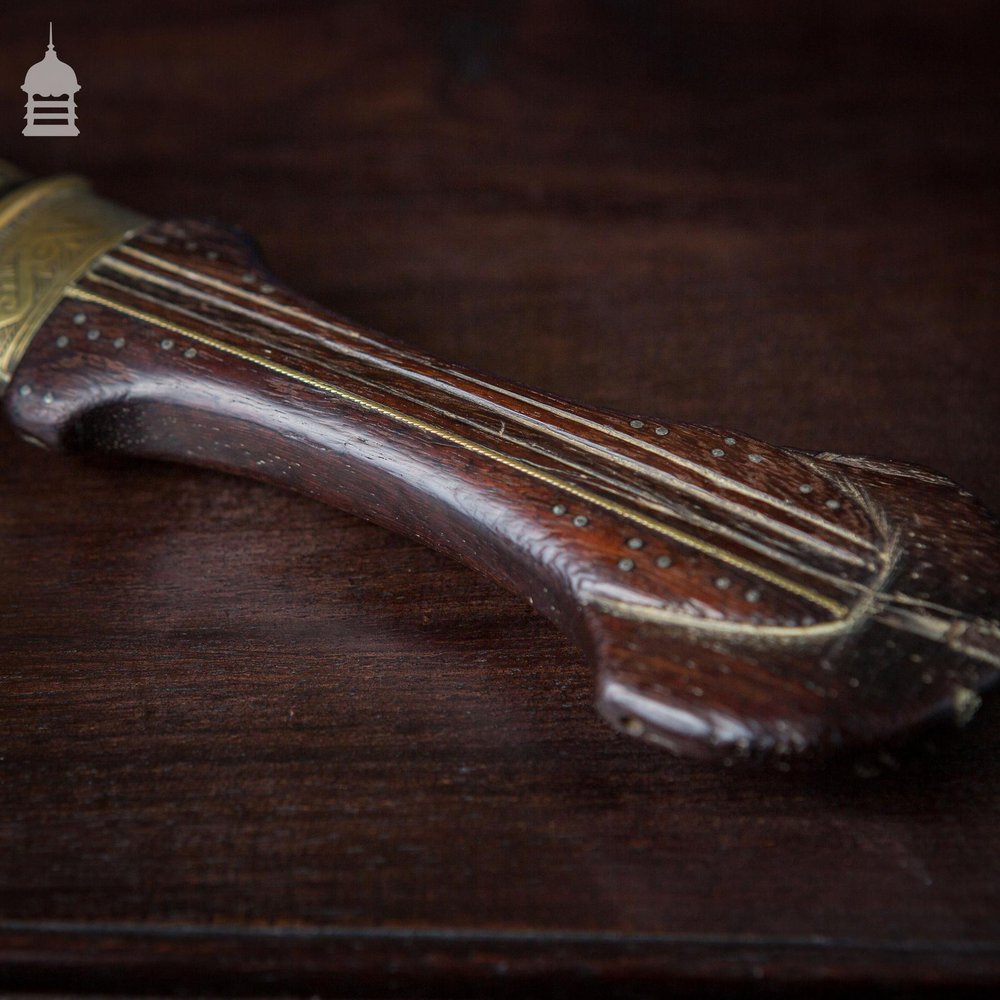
(267, 289)
(752, 595)
(62, 341)
(580, 521)
(635, 543)
(48, 398)
(805, 488)
(664, 561)
(190, 352)
(80, 319)
(167, 344)
(635, 423)
(119, 342)
(93, 334)
(633, 727)
(723, 582)
(559, 509)
(755, 458)
(662, 431)
(833, 504)
(248, 278)
(718, 453)
(25, 390)
(730, 440)
(626, 565)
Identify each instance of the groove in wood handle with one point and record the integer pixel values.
(736, 599)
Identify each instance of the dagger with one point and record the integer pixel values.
(736, 599)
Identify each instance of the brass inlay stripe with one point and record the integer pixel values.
(246, 293)
(834, 607)
(614, 458)
(719, 478)
(624, 490)
(673, 618)
(677, 619)
(609, 454)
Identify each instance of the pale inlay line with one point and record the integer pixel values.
(882, 606)
(683, 538)
(870, 598)
(631, 492)
(624, 491)
(641, 468)
(702, 470)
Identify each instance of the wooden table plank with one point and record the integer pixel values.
(251, 744)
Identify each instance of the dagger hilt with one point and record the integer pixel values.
(736, 599)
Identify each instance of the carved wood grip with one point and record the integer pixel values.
(736, 599)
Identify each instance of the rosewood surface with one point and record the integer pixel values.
(255, 745)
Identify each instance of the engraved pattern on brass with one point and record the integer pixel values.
(51, 232)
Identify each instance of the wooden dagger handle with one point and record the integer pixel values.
(736, 599)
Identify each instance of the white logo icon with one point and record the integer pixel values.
(51, 88)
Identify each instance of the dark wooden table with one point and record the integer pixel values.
(249, 745)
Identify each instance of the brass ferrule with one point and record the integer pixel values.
(51, 232)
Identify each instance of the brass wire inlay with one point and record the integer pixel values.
(833, 607)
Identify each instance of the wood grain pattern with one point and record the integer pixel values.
(333, 773)
(736, 600)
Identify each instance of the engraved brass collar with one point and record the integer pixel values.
(51, 232)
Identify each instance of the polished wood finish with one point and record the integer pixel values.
(362, 768)
(736, 600)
